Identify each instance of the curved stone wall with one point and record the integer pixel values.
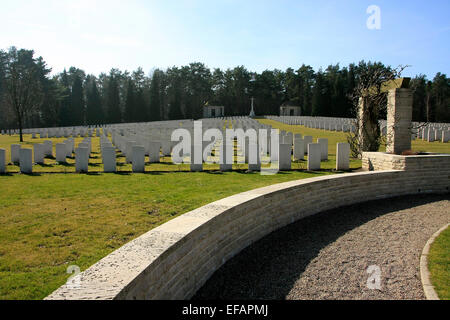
(175, 259)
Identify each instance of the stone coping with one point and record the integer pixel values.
(425, 274)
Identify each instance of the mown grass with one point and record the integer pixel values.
(439, 264)
(51, 221)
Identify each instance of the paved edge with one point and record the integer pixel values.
(425, 275)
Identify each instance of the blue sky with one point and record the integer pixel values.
(99, 35)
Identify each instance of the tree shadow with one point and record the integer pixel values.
(269, 268)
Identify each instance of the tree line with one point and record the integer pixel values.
(31, 97)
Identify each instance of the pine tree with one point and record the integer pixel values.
(113, 101)
(94, 110)
(77, 101)
(318, 99)
(155, 101)
(130, 104)
(140, 107)
(65, 116)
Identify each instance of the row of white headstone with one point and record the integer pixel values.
(138, 140)
(428, 132)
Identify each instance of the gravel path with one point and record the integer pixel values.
(326, 256)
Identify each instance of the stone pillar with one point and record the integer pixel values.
(26, 160)
(109, 159)
(138, 159)
(343, 156)
(399, 115)
(2, 161)
(314, 155)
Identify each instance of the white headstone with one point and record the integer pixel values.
(109, 159)
(343, 156)
(196, 159)
(48, 148)
(138, 158)
(308, 140)
(226, 165)
(81, 159)
(26, 160)
(61, 152)
(445, 136)
(154, 150)
(284, 162)
(2, 161)
(15, 153)
(299, 148)
(38, 151)
(314, 155)
(323, 148)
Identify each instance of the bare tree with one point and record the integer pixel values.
(370, 104)
(23, 90)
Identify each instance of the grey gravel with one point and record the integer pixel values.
(326, 256)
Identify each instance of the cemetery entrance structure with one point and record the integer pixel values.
(213, 111)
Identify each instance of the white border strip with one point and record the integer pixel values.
(428, 287)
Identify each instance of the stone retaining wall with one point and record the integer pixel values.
(175, 259)
(376, 161)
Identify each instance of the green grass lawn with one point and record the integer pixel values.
(51, 221)
(439, 264)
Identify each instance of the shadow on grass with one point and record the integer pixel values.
(66, 164)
